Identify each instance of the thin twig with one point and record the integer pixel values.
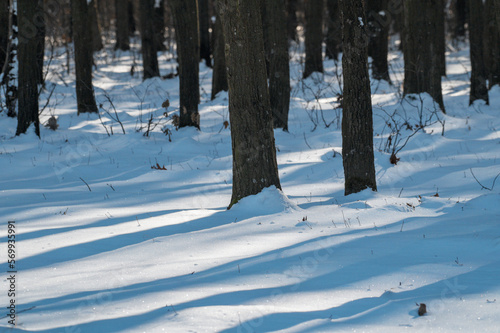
(482, 186)
(86, 184)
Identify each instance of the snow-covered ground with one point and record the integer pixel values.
(107, 243)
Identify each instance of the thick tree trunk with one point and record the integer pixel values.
(491, 45)
(159, 25)
(148, 47)
(357, 121)
(39, 22)
(4, 31)
(254, 153)
(460, 11)
(83, 57)
(497, 13)
(95, 28)
(185, 14)
(28, 64)
(478, 87)
(423, 61)
(313, 37)
(219, 76)
(292, 21)
(122, 25)
(334, 35)
(205, 47)
(378, 24)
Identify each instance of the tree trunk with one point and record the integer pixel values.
(275, 34)
(491, 45)
(292, 21)
(334, 35)
(122, 25)
(159, 25)
(28, 64)
(460, 11)
(219, 77)
(254, 153)
(313, 37)
(357, 121)
(39, 21)
(83, 57)
(478, 87)
(497, 13)
(4, 31)
(148, 47)
(423, 64)
(95, 28)
(378, 25)
(9, 75)
(205, 47)
(185, 14)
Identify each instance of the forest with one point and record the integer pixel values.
(250, 165)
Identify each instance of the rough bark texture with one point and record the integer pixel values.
(313, 37)
(254, 152)
(9, 75)
(334, 35)
(185, 14)
(122, 28)
(205, 47)
(423, 64)
(4, 31)
(95, 28)
(148, 46)
(492, 44)
(219, 76)
(83, 57)
(277, 60)
(378, 24)
(292, 21)
(357, 121)
(27, 59)
(478, 87)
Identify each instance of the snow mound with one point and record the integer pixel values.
(269, 201)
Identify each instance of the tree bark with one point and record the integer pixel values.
(478, 87)
(4, 31)
(185, 14)
(254, 153)
(28, 64)
(423, 64)
(39, 22)
(491, 45)
(378, 25)
(83, 57)
(219, 77)
(159, 25)
(95, 28)
(148, 46)
(205, 47)
(122, 25)
(334, 35)
(313, 37)
(292, 21)
(357, 121)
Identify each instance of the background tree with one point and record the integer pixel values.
(122, 25)
(421, 51)
(357, 120)
(204, 17)
(378, 47)
(28, 64)
(254, 153)
(313, 37)
(274, 22)
(159, 25)
(95, 27)
(39, 22)
(185, 14)
(8, 72)
(478, 87)
(4, 31)
(333, 39)
(491, 44)
(292, 21)
(83, 57)
(148, 46)
(219, 77)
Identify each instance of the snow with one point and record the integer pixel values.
(150, 250)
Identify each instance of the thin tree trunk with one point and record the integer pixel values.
(478, 88)
(148, 47)
(95, 28)
(28, 64)
(9, 75)
(83, 57)
(122, 25)
(357, 121)
(254, 153)
(4, 31)
(378, 24)
(219, 77)
(313, 37)
(292, 21)
(491, 45)
(39, 22)
(185, 14)
(334, 35)
(159, 25)
(205, 47)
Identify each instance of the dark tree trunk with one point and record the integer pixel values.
(95, 28)
(497, 13)
(292, 21)
(122, 25)
(440, 35)
(219, 77)
(334, 35)
(185, 14)
(357, 121)
(491, 45)
(132, 27)
(274, 22)
(148, 47)
(39, 21)
(423, 64)
(378, 24)
(9, 75)
(254, 153)
(159, 25)
(28, 64)
(313, 37)
(478, 87)
(460, 12)
(83, 57)
(205, 47)
(4, 31)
